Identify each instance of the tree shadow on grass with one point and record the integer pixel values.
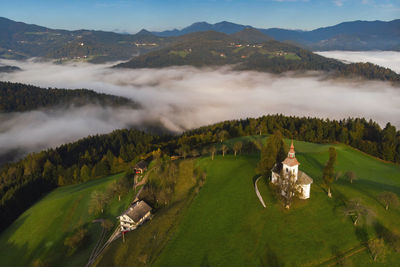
(374, 186)
(270, 258)
(339, 200)
(389, 236)
(362, 235)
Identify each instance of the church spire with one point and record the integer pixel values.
(291, 153)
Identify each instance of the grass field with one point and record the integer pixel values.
(39, 233)
(223, 223)
(227, 226)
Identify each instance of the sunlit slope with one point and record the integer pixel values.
(227, 226)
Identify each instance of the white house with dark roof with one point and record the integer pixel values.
(138, 213)
(290, 168)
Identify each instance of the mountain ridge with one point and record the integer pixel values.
(211, 48)
(320, 38)
(19, 40)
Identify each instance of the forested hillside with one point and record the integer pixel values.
(243, 52)
(20, 41)
(100, 155)
(22, 97)
(24, 182)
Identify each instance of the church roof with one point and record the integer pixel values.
(303, 178)
(290, 162)
(291, 158)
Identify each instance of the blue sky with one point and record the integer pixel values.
(133, 15)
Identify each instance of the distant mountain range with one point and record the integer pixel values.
(20, 40)
(354, 35)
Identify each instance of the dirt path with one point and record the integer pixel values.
(258, 193)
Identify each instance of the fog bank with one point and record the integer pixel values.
(387, 59)
(183, 98)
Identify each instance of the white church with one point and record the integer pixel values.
(290, 167)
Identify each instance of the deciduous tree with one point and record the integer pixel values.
(357, 211)
(213, 150)
(224, 149)
(389, 199)
(237, 147)
(377, 248)
(351, 176)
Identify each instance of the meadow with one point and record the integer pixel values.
(227, 226)
(37, 236)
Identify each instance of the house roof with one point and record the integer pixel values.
(303, 178)
(141, 164)
(138, 210)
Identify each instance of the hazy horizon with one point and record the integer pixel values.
(156, 15)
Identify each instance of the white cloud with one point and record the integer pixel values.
(387, 59)
(183, 98)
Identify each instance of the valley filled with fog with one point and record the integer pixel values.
(387, 59)
(181, 98)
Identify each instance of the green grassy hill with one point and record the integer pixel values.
(227, 226)
(222, 222)
(38, 234)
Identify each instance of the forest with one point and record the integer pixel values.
(24, 182)
(21, 97)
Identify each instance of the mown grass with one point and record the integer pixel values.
(38, 234)
(227, 226)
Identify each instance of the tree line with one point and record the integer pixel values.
(22, 97)
(365, 135)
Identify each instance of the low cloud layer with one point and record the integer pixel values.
(183, 98)
(387, 59)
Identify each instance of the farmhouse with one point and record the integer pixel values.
(290, 169)
(140, 167)
(138, 213)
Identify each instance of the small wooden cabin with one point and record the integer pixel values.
(140, 167)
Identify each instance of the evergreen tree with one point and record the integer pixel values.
(329, 170)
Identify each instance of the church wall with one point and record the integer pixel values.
(306, 191)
